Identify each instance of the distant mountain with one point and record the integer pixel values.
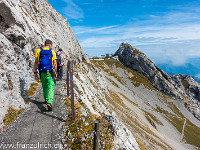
(196, 79)
(187, 69)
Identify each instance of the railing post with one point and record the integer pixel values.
(67, 80)
(72, 92)
(96, 136)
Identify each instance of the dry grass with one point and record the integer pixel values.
(140, 144)
(136, 51)
(152, 118)
(94, 107)
(113, 83)
(137, 79)
(32, 90)
(130, 101)
(10, 85)
(80, 133)
(109, 62)
(11, 116)
(192, 134)
(26, 101)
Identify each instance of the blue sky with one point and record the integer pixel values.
(167, 31)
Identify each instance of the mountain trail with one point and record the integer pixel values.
(183, 130)
(38, 128)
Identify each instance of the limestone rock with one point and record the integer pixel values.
(24, 27)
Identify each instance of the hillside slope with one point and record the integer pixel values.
(135, 108)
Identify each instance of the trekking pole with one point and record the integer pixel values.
(67, 80)
(72, 93)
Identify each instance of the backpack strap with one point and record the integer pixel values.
(41, 49)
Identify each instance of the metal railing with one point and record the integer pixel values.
(70, 92)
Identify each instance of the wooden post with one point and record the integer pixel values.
(96, 136)
(72, 93)
(67, 80)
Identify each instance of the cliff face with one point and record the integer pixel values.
(24, 26)
(179, 86)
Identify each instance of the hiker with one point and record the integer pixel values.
(45, 62)
(60, 56)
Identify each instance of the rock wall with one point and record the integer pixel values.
(24, 26)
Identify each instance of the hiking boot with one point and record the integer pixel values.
(49, 106)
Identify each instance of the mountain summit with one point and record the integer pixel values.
(179, 86)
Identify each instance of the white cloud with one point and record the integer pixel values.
(81, 30)
(174, 37)
(72, 10)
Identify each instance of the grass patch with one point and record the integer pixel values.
(175, 109)
(11, 116)
(10, 85)
(26, 101)
(140, 144)
(80, 133)
(36, 10)
(150, 116)
(176, 121)
(192, 134)
(128, 99)
(161, 110)
(94, 107)
(136, 51)
(98, 63)
(77, 76)
(109, 62)
(93, 83)
(32, 90)
(113, 83)
(137, 79)
(185, 84)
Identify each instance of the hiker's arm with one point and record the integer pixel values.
(65, 57)
(35, 68)
(55, 67)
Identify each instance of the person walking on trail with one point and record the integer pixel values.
(45, 62)
(60, 56)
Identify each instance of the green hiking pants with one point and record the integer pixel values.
(48, 87)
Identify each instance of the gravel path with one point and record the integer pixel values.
(37, 128)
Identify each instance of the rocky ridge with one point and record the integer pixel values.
(135, 108)
(180, 86)
(24, 26)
